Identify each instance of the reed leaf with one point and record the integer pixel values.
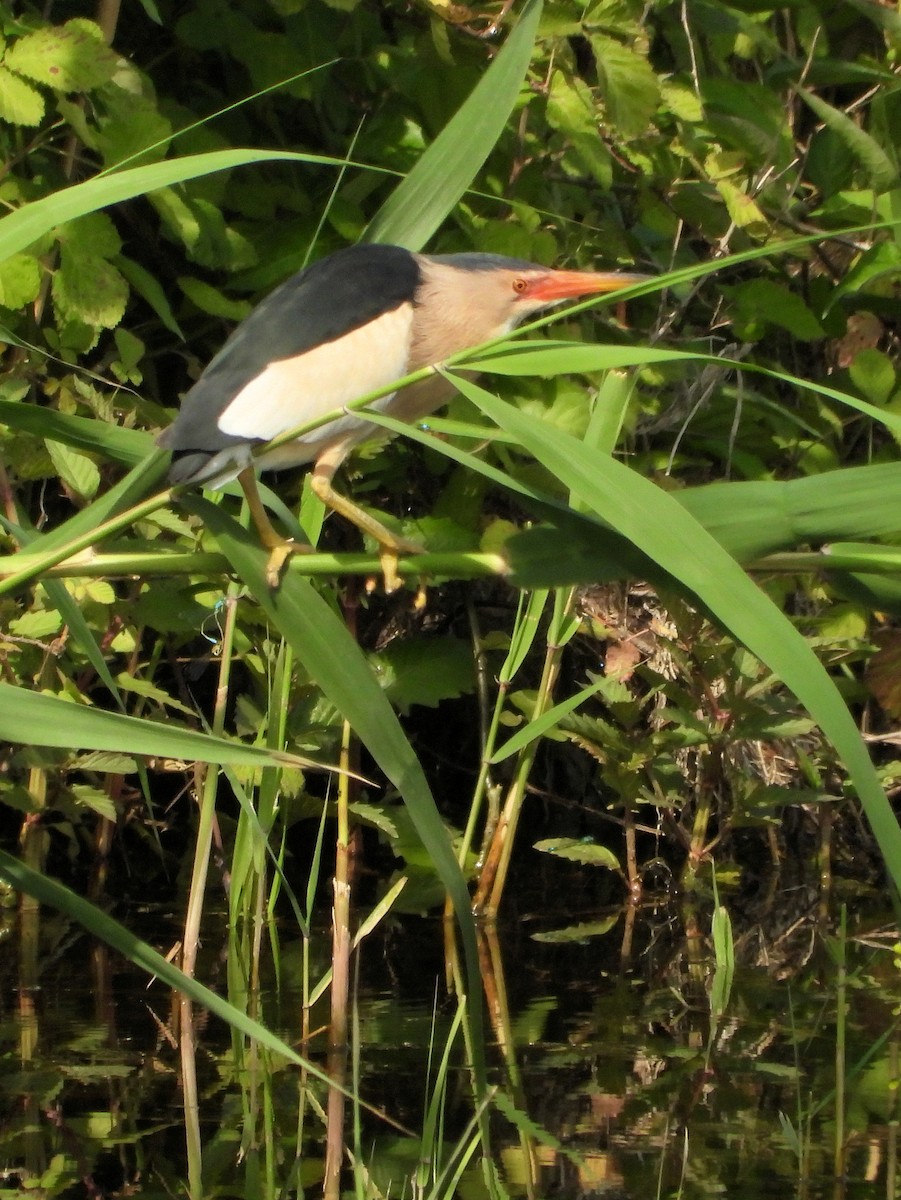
(321, 641)
(661, 528)
(422, 200)
(36, 719)
(20, 229)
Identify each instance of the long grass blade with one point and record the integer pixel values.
(27, 224)
(663, 530)
(421, 201)
(323, 644)
(36, 719)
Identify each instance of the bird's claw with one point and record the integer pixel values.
(389, 557)
(275, 564)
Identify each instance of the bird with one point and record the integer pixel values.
(351, 323)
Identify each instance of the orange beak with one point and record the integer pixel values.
(566, 285)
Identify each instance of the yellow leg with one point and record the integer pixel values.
(391, 546)
(280, 548)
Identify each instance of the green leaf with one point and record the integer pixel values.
(659, 526)
(770, 303)
(421, 201)
(213, 301)
(128, 446)
(425, 670)
(150, 289)
(95, 799)
(132, 128)
(20, 280)
(881, 171)
(570, 111)
(874, 374)
(38, 624)
(742, 209)
(200, 225)
(574, 849)
(76, 471)
(107, 763)
(92, 235)
(20, 103)
(628, 84)
(68, 58)
(576, 934)
(89, 289)
(36, 719)
(547, 721)
(323, 644)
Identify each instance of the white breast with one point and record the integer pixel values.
(295, 390)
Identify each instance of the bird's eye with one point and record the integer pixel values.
(520, 285)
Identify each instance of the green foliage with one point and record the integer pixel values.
(752, 400)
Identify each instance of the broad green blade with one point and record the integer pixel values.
(27, 224)
(748, 518)
(321, 641)
(36, 719)
(761, 517)
(572, 358)
(421, 201)
(126, 446)
(660, 527)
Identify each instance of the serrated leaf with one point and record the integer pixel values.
(89, 289)
(94, 234)
(628, 84)
(143, 687)
(546, 723)
(68, 58)
(77, 472)
(20, 103)
(100, 591)
(425, 671)
(588, 853)
(37, 625)
(576, 933)
(682, 101)
(20, 280)
(106, 762)
(524, 1122)
(377, 817)
(570, 110)
(742, 209)
(132, 128)
(93, 798)
(203, 230)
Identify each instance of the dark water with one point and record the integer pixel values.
(615, 1079)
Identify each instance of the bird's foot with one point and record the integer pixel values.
(278, 556)
(389, 557)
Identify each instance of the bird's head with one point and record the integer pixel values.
(500, 292)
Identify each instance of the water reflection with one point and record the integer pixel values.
(613, 1078)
